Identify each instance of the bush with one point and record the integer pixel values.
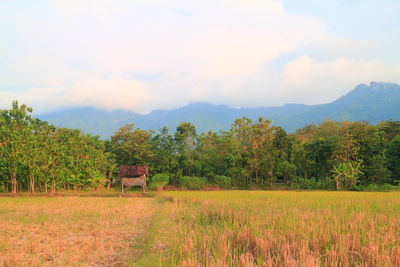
(193, 183)
(312, 183)
(3, 188)
(159, 180)
(380, 188)
(356, 188)
(222, 181)
(302, 183)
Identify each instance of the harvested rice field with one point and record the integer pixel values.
(249, 228)
(71, 231)
(219, 228)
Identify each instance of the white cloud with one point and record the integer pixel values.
(307, 81)
(111, 94)
(105, 94)
(71, 52)
(304, 80)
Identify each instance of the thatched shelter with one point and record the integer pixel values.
(133, 176)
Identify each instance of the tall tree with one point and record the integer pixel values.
(133, 146)
(393, 159)
(186, 140)
(165, 152)
(14, 132)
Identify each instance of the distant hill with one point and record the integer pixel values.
(373, 103)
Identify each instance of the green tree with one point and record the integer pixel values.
(393, 159)
(133, 146)
(346, 174)
(241, 147)
(186, 140)
(165, 150)
(14, 133)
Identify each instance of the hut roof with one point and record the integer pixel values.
(133, 171)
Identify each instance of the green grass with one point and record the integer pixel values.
(156, 247)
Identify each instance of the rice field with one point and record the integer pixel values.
(249, 228)
(219, 228)
(71, 231)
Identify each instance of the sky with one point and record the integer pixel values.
(143, 55)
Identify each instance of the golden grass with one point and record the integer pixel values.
(220, 228)
(71, 231)
(253, 228)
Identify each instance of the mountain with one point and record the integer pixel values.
(91, 120)
(374, 102)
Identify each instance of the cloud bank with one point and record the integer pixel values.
(151, 54)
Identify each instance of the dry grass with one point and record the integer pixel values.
(231, 228)
(240, 228)
(71, 231)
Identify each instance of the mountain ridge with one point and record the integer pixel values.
(374, 102)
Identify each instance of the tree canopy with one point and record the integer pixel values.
(36, 156)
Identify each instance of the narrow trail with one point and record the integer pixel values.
(154, 246)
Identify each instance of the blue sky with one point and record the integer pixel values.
(148, 54)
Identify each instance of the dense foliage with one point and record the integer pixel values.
(35, 156)
(332, 155)
(159, 180)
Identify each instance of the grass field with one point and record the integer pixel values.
(221, 228)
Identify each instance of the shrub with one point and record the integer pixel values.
(381, 188)
(193, 183)
(159, 180)
(222, 181)
(2, 187)
(356, 188)
(312, 183)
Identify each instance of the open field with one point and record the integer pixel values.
(220, 228)
(243, 228)
(71, 231)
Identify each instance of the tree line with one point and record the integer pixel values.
(36, 156)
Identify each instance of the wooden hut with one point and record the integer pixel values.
(133, 176)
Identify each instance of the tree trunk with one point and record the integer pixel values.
(14, 182)
(338, 187)
(109, 179)
(99, 187)
(256, 177)
(53, 186)
(270, 178)
(32, 182)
